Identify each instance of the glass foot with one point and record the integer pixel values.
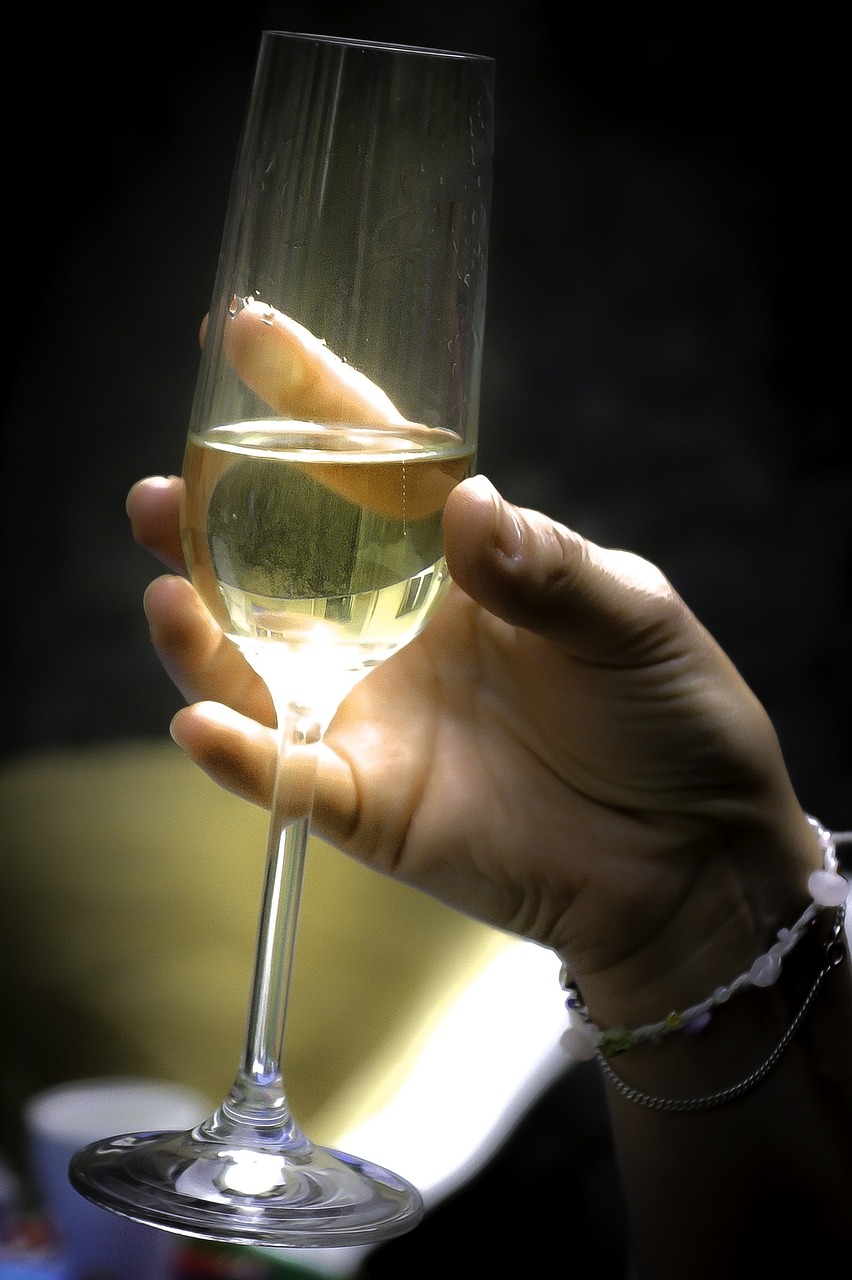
(202, 1185)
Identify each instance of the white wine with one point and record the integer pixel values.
(319, 537)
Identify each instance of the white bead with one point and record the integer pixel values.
(577, 1044)
(765, 970)
(827, 888)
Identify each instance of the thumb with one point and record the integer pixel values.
(537, 574)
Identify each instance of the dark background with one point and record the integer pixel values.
(666, 368)
(666, 341)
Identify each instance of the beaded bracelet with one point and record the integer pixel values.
(584, 1040)
(833, 954)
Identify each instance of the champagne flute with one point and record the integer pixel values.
(336, 407)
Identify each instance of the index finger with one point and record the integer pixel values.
(413, 468)
(296, 373)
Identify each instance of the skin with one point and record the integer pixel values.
(575, 760)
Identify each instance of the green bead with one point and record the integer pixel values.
(615, 1041)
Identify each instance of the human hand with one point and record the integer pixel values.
(563, 752)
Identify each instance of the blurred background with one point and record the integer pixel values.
(666, 343)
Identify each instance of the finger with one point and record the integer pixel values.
(201, 660)
(532, 572)
(242, 756)
(295, 372)
(153, 506)
(235, 751)
(300, 378)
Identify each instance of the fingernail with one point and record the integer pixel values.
(507, 528)
(506, 533)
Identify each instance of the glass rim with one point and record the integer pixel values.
(352, 42)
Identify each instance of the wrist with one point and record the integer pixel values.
(750, 1041)
(768, 1000)
(750, 885)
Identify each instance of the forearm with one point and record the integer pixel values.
(764, 1173)
(732, 1189)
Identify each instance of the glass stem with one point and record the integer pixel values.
(285, 862)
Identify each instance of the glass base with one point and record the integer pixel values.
(197, 1184)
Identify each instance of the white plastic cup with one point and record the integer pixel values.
(62, 1119)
